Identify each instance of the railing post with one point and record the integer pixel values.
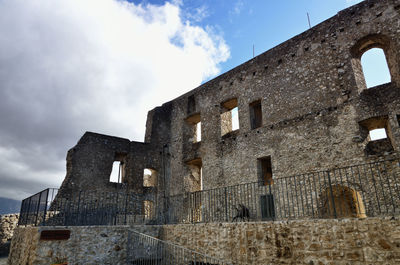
(79, 204)
(226, 204)
(38, 208)
(23, 206)
(332, 198)
(126, 203)
(272, 209)
(45, 207)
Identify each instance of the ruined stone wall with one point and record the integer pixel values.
(86, 245)
(345, 241)
(315, 107)
(312, 104)
(8, 222)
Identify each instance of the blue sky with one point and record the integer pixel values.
(262, 23)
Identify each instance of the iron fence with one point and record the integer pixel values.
(34, 208)
(147, 250)
(86, 208)
(370, 189)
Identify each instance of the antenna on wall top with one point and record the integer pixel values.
(308, 17)
(253, 50)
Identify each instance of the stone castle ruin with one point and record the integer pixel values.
(287, 135)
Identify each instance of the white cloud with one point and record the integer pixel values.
(69, 66)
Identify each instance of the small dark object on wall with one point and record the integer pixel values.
(243, 213)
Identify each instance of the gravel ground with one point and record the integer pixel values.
(3, 260)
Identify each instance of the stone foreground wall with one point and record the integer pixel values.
(310, 242)
(8, 222)
(86, 245)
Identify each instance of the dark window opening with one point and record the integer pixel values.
(255, 114)
(229, 116)
(265, 171)
(195, 127)
(149, 177)
(191, 106)
(398, 119)
(267, 207)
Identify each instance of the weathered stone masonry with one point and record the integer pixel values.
(303, 106)
(8, 222)
(339, 242)
(314, 108)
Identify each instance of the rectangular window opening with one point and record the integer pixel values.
(265, 171)
(117, 171)
(195, 182)
(377, 134)
(194, 122)
(255, 114)
(148, 210)
(229, 116)
(398, 119)
(197, 137)
(149, 177)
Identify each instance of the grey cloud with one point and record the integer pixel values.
(67, 67)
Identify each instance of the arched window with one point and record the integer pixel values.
(341, 201)
(375, 67)
(374, 61)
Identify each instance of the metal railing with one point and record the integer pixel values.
(86, 208)
(34, 208)
(370, 189)
(146, 250)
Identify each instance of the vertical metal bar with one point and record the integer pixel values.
(38, 208)
(288, 200)
(291, 195)
(332, 197)
(79, 203)
(321, 204)
(382, 187)
(126, 207)
(45, 207)
(342, 188)
(374, 185)
(226, 204)
(281, 210)
(312, 202)
(254, 202)
(272, 208)
(297, 196)
(316, 195)
(390, 190)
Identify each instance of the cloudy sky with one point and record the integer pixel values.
(70, 66)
